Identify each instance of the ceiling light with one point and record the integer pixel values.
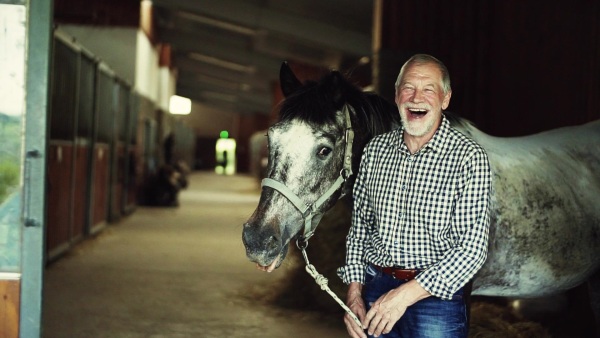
(179, 105)
(364, 60)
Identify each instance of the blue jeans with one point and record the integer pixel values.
(431, 317)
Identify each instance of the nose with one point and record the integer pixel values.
(260, 242)
(418, 96)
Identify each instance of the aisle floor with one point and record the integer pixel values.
(173, 272)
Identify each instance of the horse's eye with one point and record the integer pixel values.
(324, 152)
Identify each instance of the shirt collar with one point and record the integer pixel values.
(438, 142)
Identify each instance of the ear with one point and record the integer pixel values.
(446, 100)
(288, 80)
(335, 83)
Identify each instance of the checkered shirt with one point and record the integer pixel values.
(428, 211)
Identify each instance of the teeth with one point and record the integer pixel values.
(417, 110)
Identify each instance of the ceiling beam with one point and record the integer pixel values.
(242, 103)
(250, 95)
(257, 17)
(257, 80)
(187, 44)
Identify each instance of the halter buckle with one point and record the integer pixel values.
(301, 243)
(345, 173)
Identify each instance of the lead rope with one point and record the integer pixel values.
(323, 282)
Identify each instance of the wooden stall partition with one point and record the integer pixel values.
(117, 184)
(118, 140)
(86, 120)
(81, 190)
(104, 137)
(10, 289)
(130, 144)
(60, 152)
(130, 193)
(59, 195)
(100, 182)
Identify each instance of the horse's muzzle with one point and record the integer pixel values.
(263, 245)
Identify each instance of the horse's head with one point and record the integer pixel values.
(310, 160)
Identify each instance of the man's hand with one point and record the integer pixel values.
(390, 307)
(355, 302)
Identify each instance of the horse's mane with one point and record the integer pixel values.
(317, 103)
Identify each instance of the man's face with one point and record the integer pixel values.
(421, 99)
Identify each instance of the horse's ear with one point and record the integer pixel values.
(288, 80)
(337, 80)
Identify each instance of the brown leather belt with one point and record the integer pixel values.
(401, 274)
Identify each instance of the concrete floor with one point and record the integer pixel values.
(174, 272)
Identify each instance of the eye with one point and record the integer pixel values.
(324, 152)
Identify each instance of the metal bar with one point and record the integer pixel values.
(39, 33)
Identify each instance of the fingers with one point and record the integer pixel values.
(380, 327)
(370, 314)
(352, 327)
(374, 321)
(379, 320)
(354, 330)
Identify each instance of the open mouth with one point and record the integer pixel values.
(417, 113)
(275, 263)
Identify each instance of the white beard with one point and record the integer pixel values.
(420, 127)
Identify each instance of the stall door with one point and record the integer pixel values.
(24, 35)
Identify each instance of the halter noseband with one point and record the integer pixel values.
(309, 211)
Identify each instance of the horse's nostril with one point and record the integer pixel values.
(272, 242)
(247, 235)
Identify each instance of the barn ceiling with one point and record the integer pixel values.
(228, 52)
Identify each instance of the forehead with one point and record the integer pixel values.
(298, 129)
(427, 73)
(291, 132)
(292, 143)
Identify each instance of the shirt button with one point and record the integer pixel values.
(403, 187)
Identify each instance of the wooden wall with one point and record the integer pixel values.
(517, 67)
(9, 308)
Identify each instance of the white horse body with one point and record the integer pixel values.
(545, 229)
